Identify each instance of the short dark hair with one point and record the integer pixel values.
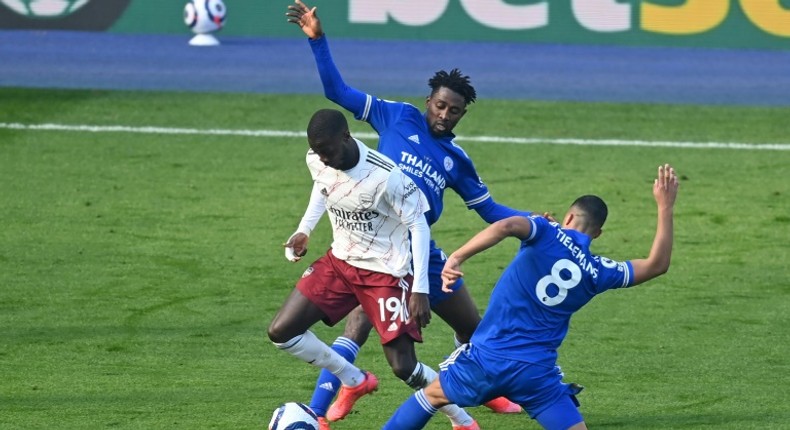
(594, 207)
(326, 123)
(454, 81)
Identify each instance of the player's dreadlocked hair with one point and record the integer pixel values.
(454, 81)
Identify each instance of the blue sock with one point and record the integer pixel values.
(327, 384)
(413, 414)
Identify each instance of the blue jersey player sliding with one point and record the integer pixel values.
(422, 145)
(513, 353)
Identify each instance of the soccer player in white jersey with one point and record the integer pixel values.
(423, 146)
(378, 226)
(513, 352)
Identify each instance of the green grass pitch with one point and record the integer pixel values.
(138, 271)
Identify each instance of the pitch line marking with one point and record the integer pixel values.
(495, 139)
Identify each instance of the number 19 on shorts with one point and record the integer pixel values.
(392, 306)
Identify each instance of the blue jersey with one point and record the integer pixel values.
(552, 276)
(433, 163)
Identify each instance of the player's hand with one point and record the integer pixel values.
(665, 187)
(419, 309)
(296, 247)
(306, 18)
(549, 216)
(451, 273)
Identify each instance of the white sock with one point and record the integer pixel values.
(458, 416)
(310, 349)
(424, 375)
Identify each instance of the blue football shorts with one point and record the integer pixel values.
(470, 377)
(436, 260)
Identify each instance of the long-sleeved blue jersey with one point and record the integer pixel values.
(552, 276)
(434, 163)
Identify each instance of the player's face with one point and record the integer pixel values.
(444, 108)
(339, 153)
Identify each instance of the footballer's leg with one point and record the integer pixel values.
(294, 318)
(459, 311)
(289, 332)
(355, 334)
(358, 326)
(416, 411)
(562, 415)
(321, 294)
(403, 360)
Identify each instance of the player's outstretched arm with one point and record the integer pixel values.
(306, 18)
(335, 89)
(516, 226)
(491, 211)
(665, 189)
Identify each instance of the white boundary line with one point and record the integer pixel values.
(498, 139)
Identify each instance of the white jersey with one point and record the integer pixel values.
(371, 207)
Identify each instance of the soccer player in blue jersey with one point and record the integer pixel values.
(422, 145)
(513, 353)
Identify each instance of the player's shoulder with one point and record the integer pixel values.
(542, 222)
(544, 232)
(396, 107)
(454, 147)
(408, 107)
(408, 115)
(380, 160)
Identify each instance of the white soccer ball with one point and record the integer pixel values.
(205, 16)
(293, 416)
(45, 8)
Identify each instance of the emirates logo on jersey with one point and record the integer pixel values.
(353, 216)
(361, 221)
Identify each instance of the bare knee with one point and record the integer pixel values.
(294, 318)
(401, 357)
(274, 332)
(463, 338)
(279, 332)
(403, 369)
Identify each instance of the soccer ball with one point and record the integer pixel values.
(204, 16)
(293, 416)
(45, 8)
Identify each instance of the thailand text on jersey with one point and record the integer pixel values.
(433, 163)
